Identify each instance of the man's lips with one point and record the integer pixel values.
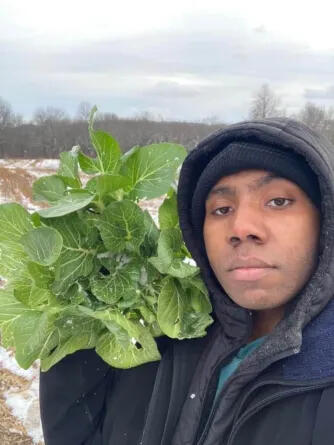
(249, 269)
(247, 262)
(250, 273)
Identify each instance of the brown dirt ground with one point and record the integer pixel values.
(12, 432)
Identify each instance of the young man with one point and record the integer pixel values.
(256, 206)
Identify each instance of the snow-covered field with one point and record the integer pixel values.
(19, 407)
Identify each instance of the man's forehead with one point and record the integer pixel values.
(260, 178)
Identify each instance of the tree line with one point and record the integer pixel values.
(51, 130)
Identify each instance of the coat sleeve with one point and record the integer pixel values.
(72, 399)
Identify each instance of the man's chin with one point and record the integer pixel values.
(255, 300)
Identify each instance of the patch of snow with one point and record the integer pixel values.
(190, 261)
(47, 163)
(24, 404)
(143, 276)
(7, 360)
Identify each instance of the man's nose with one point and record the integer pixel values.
(246, 224)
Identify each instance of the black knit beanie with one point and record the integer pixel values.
(238, 156)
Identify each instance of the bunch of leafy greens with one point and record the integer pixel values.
(93, 270)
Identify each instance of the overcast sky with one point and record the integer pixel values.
(180, 59)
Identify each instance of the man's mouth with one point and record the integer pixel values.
(250, 273)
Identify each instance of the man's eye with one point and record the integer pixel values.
(281, 202)
(221, 211)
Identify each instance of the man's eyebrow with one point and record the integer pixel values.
(224, 190)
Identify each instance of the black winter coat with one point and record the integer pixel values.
(282, 393)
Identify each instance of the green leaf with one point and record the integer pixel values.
(42, 276)
(150, 244)
(169, 245)
(180, 269)
(32, 287)
(35, 218)
(198, 294)
(48, 188)
(75, 200)
(43, 245)
(106, 147)
(72, 334)
(68, 167)
(29, 294)
(122, 226)
(194, 324)
(106, 184)
(87, 164)
(121, 284)
(31, 331)
(175, 315)
(128, 343)
(168, 214)
(13, 260)
(77, 256)
(77, 294)
(107, 150)
(170, 259)
(10, 307)
(152, 169)
(15, 221)
(171, 308)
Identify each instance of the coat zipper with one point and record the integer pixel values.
(213, 378)
(201, 435)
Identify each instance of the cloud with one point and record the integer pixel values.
(210, 66)
(174, 89)
(260, 29)
(320, 93)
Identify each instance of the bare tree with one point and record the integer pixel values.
(83, 111)
(7, 117)
(212, 119)
(51, 121)
(318, 118)
(265, 103)
(148, 116)
(49, 114)
(5, 113)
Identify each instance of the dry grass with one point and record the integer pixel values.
(15, 184)
(12, 432)
(16, 179)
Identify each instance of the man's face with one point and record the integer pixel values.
(261, 236)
